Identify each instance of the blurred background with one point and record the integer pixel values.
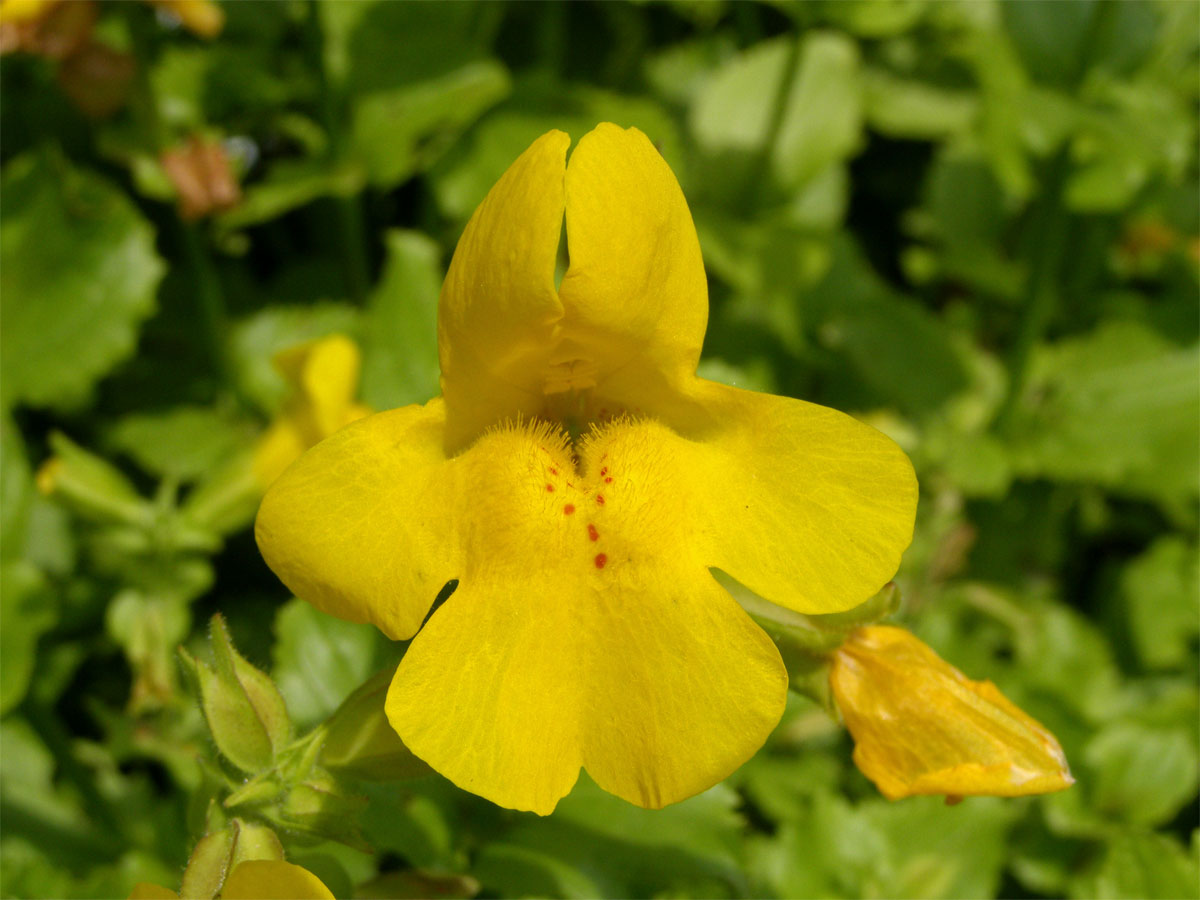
(972, 224)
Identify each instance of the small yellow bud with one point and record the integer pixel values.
(922, 727)
(47, 476)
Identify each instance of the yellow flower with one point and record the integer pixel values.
(255, 879)
(922, 727)
(323, 377)
(579, 481)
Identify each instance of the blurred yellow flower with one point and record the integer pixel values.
(255, 879)
(323, 378)
(579, 481)
(922, 727)
(201, 17)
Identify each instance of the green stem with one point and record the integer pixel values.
(1048, 236)
(761, 170)
(210, 300)
(1049, 240)
(347, 210)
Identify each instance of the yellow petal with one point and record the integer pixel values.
(144, 890)
(635, 295)
(804, 505)
(362, 525)
(498, 309)
(922, 727)
(585, 631)
(271, 879)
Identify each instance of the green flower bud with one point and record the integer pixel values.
(89, 485)
(245, 711)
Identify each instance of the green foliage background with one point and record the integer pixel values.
(973, 224)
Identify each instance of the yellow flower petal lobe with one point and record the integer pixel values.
(272, 879)
(922, 727)
(363, 525)
(804, 505)
(635, 295)
(585, 631)
(498, 312)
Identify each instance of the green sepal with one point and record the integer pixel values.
(259, 689)
(255, 792)
(208, 865)
(245, 711)
(807, 642)
(218, 852)
(320, 808)
(361, 741)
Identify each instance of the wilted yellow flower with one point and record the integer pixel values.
(254, 879)
(579, 481)
(202, 175)
(323, 377)
(922, 727)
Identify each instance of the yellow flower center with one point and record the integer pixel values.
(582, 499)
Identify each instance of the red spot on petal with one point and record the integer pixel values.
(549, 489)
(600, 499)
(553, 471)
(568, 509)
(608, 480)
(592, 532)
(601, 559)
(604, 471)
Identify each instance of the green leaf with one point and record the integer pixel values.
(78, 274)
(290, 184)
(404, 130)
(257, 338)
(1137, 865)
(320, 660)
(28, 608)
(917, 847)
(881, 333)
(874, 18)
(964, 215)
(1142, 775)
(16, 489)
(733, 115)
(599, 845)
(183, 442)
(910, 108)
(1119, 406)
(1160, 589)
(400, 358)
